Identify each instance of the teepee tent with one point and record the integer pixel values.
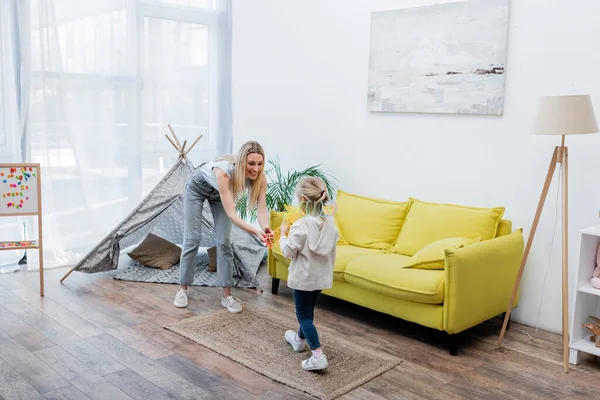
(160, 212)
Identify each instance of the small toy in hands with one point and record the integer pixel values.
(596, 273)
(594, 328)
(268, 237)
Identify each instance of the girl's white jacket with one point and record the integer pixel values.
(311, 247)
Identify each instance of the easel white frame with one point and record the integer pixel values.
(38, 243)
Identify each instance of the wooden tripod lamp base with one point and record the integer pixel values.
(557, 115)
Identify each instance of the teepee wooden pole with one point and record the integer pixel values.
(193, 144)
(67, 274)
(173, 143)
(174, 135)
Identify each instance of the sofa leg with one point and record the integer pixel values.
(507, 325)
(453, 344)
(274, 285)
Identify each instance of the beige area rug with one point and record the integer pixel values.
(255, 339)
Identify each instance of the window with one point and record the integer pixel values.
(179, 74)
(107, 78)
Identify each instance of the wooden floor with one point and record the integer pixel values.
(98, 338)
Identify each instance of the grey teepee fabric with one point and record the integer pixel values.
(161, 212)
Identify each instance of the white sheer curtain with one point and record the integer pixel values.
(12, 113)
(105, 79)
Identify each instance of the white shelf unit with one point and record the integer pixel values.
(587, 297)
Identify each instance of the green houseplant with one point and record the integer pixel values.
(280, 188)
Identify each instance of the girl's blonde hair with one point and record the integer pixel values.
(238, 180)
(313, 195)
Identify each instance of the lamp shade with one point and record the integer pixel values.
(565, 115)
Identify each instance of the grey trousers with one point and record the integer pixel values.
(197, 190)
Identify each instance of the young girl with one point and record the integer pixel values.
(311, 247)
(220, 182)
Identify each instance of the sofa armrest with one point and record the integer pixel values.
(275, 219)
(479, 280)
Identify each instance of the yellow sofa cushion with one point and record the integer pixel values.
(428, 222)
(504, 228)
(343, 255)
(276, 218)
(433, 255)
(385, 274)
(342, 240)
(369, 222)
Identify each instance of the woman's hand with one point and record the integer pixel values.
(264, 237)
(259, 234)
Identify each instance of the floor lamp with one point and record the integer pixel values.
(557, 115)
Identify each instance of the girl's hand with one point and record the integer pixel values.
(269, 237)
(283, 229)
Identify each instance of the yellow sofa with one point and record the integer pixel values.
(446, 267)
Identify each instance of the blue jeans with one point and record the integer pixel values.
(305, 312)
(197, 191)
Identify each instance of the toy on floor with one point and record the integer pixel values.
(596, 273)
(594, 328)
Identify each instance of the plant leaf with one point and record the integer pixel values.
(281, 188)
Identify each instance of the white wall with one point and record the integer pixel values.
(300, 71)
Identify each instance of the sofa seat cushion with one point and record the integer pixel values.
(386, 274)
(343, 255)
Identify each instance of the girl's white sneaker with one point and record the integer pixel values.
(181, 300)
(233, 304)
(298, 346)
(314, 364)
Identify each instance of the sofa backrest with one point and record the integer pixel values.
(504, 227)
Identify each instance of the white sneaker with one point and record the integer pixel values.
(298, 346)
(314, 364)
(233, 304)
(181, 300)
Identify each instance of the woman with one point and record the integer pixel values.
(221, 182)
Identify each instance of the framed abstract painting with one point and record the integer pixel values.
(444, 58)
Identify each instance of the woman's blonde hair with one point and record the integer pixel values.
(313, 195)
(238, 180)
